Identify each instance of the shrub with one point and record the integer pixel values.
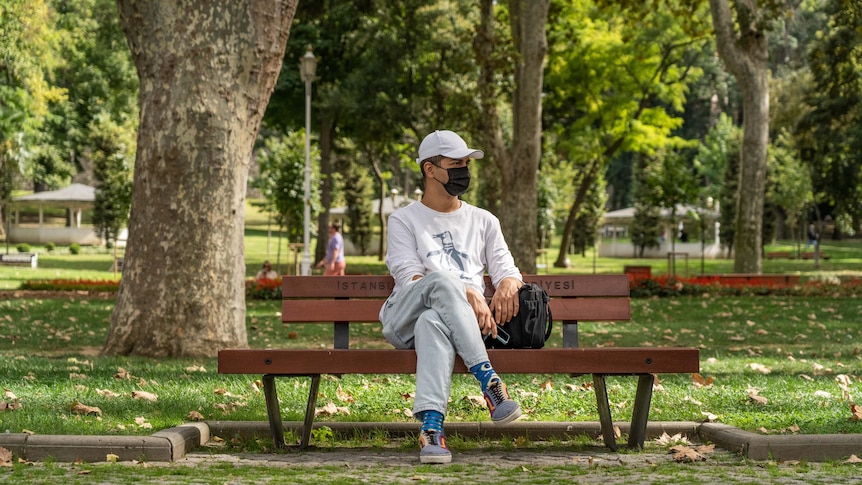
(50, 246)
(23, 248)
(75, 248)
(71, 285)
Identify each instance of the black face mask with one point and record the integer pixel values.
(459, 180)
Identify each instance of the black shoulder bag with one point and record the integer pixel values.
(531, 327)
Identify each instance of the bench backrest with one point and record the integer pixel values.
(345, 299)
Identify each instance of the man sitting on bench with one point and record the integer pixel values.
(437, 252)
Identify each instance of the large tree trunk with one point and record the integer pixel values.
(207, 70)
(327, 134)
(745, 54)
(518, 208)
(489, 133)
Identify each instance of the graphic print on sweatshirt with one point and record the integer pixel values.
(448, 255)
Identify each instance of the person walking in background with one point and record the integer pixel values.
(334, 263)
(266, 272)
(438, 251)
(812, 236)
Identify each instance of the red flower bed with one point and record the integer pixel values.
(71, 285)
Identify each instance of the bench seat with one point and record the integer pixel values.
(607, 361)
(20, 259)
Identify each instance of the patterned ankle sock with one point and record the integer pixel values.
(431, 421)
(484, 373)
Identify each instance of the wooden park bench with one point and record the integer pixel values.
(351, 299)
(20, 259)
(810, 255)
(779, 255)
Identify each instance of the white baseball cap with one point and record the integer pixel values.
(448, 144)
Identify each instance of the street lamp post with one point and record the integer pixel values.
(706, 209)
(307, 68)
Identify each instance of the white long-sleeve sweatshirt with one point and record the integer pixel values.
(465, 242)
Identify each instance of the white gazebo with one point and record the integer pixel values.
(74, 198)
(615, 239)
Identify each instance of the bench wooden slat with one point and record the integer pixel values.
(380, 286)
(591, 309)
(610, 361)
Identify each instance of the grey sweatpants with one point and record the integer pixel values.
(432, 315)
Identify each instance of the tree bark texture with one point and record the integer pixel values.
(207, 70)
(489, 132)
(745, 54)
(518, 205)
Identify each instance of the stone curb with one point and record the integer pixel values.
(174, 443)
(166, 445)
(808, 447)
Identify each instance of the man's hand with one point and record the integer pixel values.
(504, 304)
(483, 313)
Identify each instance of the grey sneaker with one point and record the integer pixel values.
(503, 410)
(432, 448)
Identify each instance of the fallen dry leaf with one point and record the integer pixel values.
(142, 423)
(853, 459)
(9, 406)
(195, 416)
(705, 449)
(666, 439)
(330, 410)
(760, 368)
(111, 458)
(476, 400)
(344, 396)
(107, 393)
(5, 457)
(709, 417)
(700, 381)
(144, 395)
(196, 368)
(122, 374)
(856, 411)
(78, 408)
(9, 394)
(685, 454)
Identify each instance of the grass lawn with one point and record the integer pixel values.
(776, 363)
(799, 356)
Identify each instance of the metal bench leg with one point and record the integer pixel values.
(604, 411)
(640, 413)
(276, 427)
(308, 423)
